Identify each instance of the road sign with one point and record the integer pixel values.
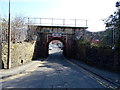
(56, 35)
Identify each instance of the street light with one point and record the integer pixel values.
(9, 40)
(118, 8)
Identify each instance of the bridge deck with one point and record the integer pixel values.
(70, 27)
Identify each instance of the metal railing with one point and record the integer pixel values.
(57, 22)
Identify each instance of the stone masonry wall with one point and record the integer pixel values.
(21, 53)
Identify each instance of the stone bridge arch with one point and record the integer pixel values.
(44, 36)
(60, 39)
(42, 42)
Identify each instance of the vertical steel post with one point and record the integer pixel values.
(52, 21)
(9, 41)
(47, 37)
(119, 20)
(86, 23)
(40, 21)
(63, 22)
(75, 22)
(113, 37)
(28, 20)
(118, 8)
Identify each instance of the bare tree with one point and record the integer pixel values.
(19, 29)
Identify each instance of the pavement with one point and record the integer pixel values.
(110, 76)
(29, 67)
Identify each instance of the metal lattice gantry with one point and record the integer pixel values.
(56, 22)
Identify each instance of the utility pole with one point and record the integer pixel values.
(118, 9)
(9, 42)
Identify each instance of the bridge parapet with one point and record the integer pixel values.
(57, 22)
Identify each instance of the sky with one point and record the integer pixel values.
(92, 10)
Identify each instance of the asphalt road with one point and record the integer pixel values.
(55, 72)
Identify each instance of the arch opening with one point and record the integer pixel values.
(56, 45)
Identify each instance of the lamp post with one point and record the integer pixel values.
(9, 41)
(118, 8)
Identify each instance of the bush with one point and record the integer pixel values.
(94, 45)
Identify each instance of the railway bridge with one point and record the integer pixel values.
(49, 29)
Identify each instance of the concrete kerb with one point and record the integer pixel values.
(26, 68)
(0, 82)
